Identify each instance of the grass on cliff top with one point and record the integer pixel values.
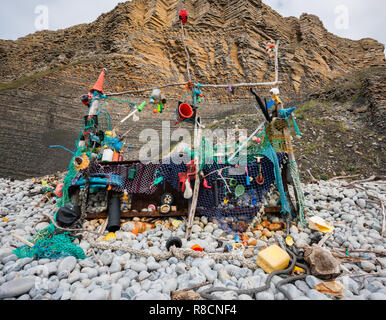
(33, 77)
(354, 81)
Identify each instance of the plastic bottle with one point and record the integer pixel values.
(107, 155)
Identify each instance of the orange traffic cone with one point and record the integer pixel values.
(99, 84)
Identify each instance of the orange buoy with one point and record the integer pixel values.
(185, 110)
(116, 157)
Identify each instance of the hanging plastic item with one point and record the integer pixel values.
(189, 85)
(239, 191)
(59, 190)
(157, 98)
(108, 155)
(184, 112)
(82, 162)
(183, 16)
(270, 49)
(188, 190)
(86, 99)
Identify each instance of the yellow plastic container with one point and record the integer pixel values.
(272, 259)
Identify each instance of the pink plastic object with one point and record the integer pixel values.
(59, 190)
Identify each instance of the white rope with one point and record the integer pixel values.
(186, 50)
(253, 84)
(144, 90)
(178, 253)
(236, 85)
(246, 141)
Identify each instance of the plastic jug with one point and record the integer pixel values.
(272, 259)
(108, 155)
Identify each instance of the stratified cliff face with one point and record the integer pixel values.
(139, 42)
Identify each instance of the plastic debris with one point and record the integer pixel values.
(332, 288)
(272, 259)
(111, 235)
(319, 224)
(176, 223)
(298, 270)
(289, 241)
(197, 247)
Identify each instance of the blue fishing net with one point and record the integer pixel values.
(219, 201)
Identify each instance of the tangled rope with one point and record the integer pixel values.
(179, 253)
(207, 294)
(294, 171)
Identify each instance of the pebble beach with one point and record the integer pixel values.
(119, 275)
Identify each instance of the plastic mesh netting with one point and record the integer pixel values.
(231, 210)
(52, 244)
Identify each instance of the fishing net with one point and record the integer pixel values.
(294, 171)
(52, 244)
(232, 211)
(134, 178)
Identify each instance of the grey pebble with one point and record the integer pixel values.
(80, 294)
(138, 266)
(116, 292)
(316, 295)
(265, 295)
(98, 294)
(8, 258)
(66, 266)
(152, 266)
(377, 296)
(312, 281)
(66, 295)
(368, 266)
(16, 288)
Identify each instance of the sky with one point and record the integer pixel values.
(354, 19)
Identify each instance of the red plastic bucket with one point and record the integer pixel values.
(186, 111)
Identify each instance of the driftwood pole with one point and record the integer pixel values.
(192, 209)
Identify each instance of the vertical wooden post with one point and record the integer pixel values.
(277, 62)
(192, 209)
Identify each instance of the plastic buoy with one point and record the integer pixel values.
(185, 110)
(183, 16)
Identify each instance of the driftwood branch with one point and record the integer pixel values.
(343, 177)
(149, 276)
(324, 239)
(23, 240)
(312, 177)
(198, 286)
(66, 229)
(365, 251)
(376, 274)
(372, 178)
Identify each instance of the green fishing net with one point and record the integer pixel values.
(51, 243)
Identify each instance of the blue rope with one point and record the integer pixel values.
(62, 148)
(270, 153)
